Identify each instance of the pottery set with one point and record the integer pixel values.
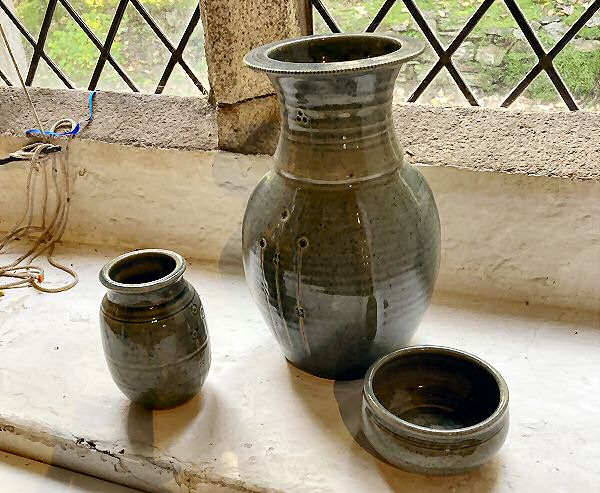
(341, 249)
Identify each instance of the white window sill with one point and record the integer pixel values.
(260, 423)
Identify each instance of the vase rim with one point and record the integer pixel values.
(352, 52)
(168, 266)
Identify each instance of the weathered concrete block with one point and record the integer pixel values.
(131, 119)
(249, 127)
(561, 144)
(231, 30)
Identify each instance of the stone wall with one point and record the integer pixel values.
(505, 236)
(556, 144)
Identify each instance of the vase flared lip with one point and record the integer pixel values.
(338, 53)
(164, 268)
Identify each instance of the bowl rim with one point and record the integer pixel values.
(126, 288)
(392, 420)
(260, 58)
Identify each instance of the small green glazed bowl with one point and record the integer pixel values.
(435, 410)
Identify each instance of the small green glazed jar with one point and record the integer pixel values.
(153, 328)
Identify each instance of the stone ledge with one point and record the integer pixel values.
(261, 426)
(560, 144)
(21, 474)
(144, 120)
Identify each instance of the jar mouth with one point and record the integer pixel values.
(334, 49)
(142, 271)
(436, 391)
(333, 53)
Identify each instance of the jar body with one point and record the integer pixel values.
(157, 349)
(440, 456)
(342, 275)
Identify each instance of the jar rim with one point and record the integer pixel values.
(265, 58)
(171, 267)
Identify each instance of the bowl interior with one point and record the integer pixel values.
(334, 49)
(437, 390)
(143, 267)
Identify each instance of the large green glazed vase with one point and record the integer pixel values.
(341, 240)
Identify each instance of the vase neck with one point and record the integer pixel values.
(337, 127)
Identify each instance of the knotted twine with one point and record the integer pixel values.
(44, 236)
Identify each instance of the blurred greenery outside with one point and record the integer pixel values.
(492, 60)
(496, 55)
(136, 48)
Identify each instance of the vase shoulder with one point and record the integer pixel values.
(138, 308)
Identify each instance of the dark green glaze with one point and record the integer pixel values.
(153, 329)
(435, 410)
(341, 239)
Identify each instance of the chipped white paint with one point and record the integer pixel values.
(263, 426)
(191, 202)
(516, 237)
(507, 236)
(21, 475)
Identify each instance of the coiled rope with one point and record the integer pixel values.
(43, 237)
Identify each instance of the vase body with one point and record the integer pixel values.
(340, 239)
(153, 329)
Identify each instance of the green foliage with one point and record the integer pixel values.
(580, 70)
(589, 33)
(70, 46)
(144, 58)
(516, 63)
(135, 47)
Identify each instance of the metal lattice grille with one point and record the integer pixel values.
(105, 55)
(545, 59)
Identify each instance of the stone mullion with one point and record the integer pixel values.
(245, 101)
